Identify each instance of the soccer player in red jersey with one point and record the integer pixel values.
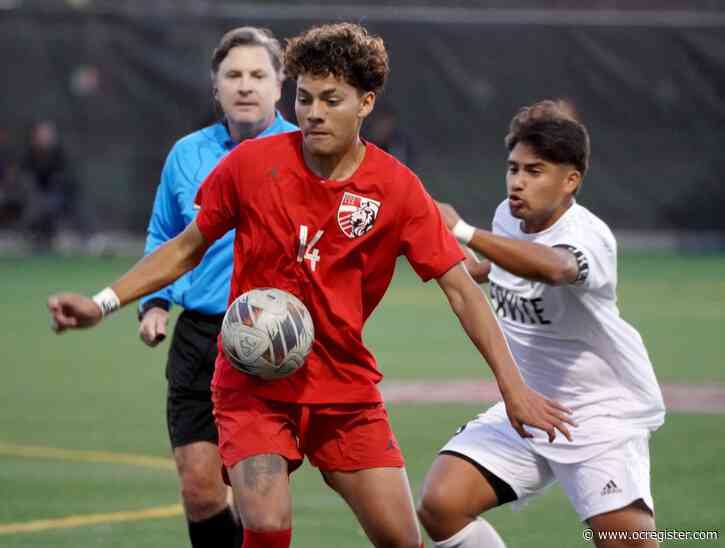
(323, 215)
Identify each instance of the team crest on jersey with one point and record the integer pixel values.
(356, 214)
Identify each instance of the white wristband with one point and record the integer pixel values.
(107, 301)
(463, 232)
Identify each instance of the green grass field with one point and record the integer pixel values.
(105, 392)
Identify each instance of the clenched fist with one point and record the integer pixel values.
(73, 311)
(153, 326)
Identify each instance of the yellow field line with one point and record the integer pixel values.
(26, 451)
(90, 519)
(86, 456)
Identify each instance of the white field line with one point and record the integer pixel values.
(686, 398)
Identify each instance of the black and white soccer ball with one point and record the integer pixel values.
(267, 333)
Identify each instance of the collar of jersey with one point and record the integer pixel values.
(560, 221)
(334, 182)
(222, 135)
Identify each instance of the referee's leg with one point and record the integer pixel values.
(193, 435)
(210, 518)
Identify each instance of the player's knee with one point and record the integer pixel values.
(434, 501)
(201, 495)
(432, 509)
(425, 513)
(258, 519)
(440, 514)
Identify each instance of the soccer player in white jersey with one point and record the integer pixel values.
(552, 269)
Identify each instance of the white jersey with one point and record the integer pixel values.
(570, 342)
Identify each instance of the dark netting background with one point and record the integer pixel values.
(123, 81)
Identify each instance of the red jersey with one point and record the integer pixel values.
(333, 244)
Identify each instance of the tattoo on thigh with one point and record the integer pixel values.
(260, 472)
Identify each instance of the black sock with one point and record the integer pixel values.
(220, 531)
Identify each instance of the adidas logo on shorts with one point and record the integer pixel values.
(610, 488)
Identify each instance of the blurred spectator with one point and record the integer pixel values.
(12, 196)
(385, 132)
(54, 191)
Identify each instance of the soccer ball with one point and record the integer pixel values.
(267, 333)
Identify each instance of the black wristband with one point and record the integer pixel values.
(153, 303)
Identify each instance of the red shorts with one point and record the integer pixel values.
(342, 437)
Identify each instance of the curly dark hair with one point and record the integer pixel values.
(345, 50)
(552, 129)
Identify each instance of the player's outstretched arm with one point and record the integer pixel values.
(551, 265)
(523, 405)
(154, 271)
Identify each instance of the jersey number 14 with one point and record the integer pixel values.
(307, 251)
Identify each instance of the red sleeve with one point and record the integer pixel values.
(218, 202)
(427, 243)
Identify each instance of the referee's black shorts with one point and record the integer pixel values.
(189, 370)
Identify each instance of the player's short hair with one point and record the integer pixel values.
(345, 50)
(248, 36)
(552, 129)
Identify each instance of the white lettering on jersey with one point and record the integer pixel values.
(307, 251)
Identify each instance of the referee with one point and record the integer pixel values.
(246, 72)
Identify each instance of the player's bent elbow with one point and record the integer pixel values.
(480, 272)
(554, 278)
(559, 275)
(561, 269)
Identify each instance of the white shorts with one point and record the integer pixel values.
(609, 481)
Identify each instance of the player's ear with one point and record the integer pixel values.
(214, 89)
(367, 104)
(572, 181)
(278, 89)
